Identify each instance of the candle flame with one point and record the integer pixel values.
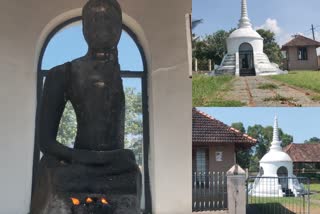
(75, 201)
(89, 200)
(104, 201)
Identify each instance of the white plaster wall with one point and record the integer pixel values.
(270, 169)
(160, 26)
(233, 44)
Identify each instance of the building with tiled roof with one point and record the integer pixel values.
(306, 157)
(304, 153)
(214, 144)
(301, 53)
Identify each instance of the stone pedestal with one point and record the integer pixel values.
(59, 182)
(236, 180)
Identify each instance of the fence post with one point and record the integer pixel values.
(236, 184)
(196, 65)
(210, 65)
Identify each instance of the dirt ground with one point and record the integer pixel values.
(248, 90)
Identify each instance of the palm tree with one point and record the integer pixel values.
(196, 22)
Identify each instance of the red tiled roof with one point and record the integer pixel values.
(303, 152)
(207, 130)
(301, 41)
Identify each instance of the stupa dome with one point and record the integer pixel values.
(276, 156)
(245, 33)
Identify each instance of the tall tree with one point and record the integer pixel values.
(271, 47)
(212, 46)
(133, 125)
(312, 140)
(196, 22)
(243, 157)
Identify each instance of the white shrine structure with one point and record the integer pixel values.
(245, 55)
(276, 177)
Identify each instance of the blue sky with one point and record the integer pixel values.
(284, 17)
(69, 44)
(301, 123)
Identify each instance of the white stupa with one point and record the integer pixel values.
(245, 55)
(276, 172)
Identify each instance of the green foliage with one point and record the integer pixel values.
(243, 157)
(133, 125)
(212, 47)
(280, 98)
(268, 86)
(68, 126)
(271, 47)
(239, 126)
(312, 140)
(203, 65)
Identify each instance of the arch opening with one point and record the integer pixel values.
(59, 48)
(261, 171)
(246, 60)
(282, 173)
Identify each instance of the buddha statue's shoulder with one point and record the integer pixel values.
(59, 73)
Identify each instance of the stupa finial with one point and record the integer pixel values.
(276, 143)
(275, 130)
(244, 22)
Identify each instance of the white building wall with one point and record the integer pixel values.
(161, 28)
(270, 169)
(233, 44)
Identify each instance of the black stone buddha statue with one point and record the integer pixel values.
(98, 165)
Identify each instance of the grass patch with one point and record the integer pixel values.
(209, 91)
(279, 98)
(268, 86)
(315, 97)
(315, 188)
(279, 205)
(315, 191)
(303, 79)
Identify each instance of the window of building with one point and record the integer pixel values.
(302, 53)
(202, 155)
(67, 43)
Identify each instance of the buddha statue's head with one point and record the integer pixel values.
(102, 24)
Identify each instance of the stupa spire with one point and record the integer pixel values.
(276, 143)
(244, 21)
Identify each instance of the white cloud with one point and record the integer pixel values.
(272, 25)
(282, 36)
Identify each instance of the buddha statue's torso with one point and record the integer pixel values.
(95, 90)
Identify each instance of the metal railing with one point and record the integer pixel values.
(209, 191)
(278, 195)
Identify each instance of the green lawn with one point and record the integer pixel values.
(209, 91)
(303, 79)
(315, 191)
(290, 203)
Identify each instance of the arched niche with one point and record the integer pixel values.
(246, 60)
(282, 173)
(134, 72)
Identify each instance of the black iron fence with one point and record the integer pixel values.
(278, 195)
(209, 191)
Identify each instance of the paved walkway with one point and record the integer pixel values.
(246, 90)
